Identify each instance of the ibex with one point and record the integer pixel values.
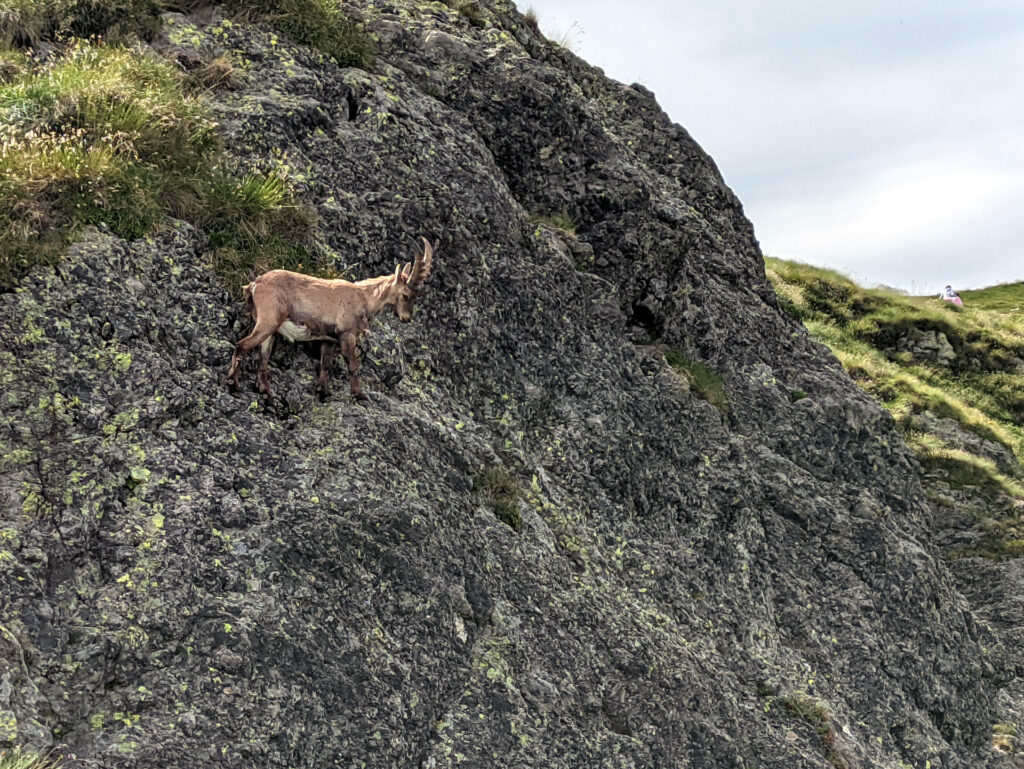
(302, 308)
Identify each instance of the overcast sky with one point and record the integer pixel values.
(884, 139)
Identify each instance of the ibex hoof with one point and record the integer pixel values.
(361, 397)
(323, 394)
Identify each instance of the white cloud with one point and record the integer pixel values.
(933, 210)
(879, 138)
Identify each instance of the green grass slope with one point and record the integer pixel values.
(953, 380)
(107, 129)
(1006, 298)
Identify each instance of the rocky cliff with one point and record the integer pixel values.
(537, 544)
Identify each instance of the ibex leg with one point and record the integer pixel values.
(327, 352)
(257, 337)
(348, 349)
(265, 350)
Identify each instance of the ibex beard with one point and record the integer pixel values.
(302, 308)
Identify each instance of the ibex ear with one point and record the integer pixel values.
(398, 273)
(406, 271)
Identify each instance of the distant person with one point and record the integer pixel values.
(951, 296)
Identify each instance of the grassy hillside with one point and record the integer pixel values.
(108, 130)
(953, 380)
(1006, 298)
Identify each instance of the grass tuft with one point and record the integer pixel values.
(217, 73)
(254, 224)
(569, 39)
(561, 220)
(320, 24)
(102, 134)
(498, 489)
(704, 382)
(1007, 298)
(26, 23)
(17, 759)
(469, 10)
(532, 20)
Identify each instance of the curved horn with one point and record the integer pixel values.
(421, 266)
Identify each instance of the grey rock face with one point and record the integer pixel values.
(929, 345)
(190, 579)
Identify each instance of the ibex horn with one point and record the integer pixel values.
(421, 265)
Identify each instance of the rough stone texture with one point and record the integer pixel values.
(190, 579)
(928, 345)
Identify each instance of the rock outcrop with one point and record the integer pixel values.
(192, 579)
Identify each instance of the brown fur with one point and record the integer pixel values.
(335, 312)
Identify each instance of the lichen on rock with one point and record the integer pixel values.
(202, 580)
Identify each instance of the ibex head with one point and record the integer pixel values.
(409, 281)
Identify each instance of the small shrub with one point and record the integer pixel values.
(530, 17)
(562, 220)
(470, 10)
(26, 23)
(704, 383)
(320, 24)
(499, 490)
(805, 708)
(796, 395)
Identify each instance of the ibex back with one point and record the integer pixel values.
(302, 308)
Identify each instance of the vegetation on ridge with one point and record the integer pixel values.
(953, 379)
(103, 131)
(105, 134)
(319, 24)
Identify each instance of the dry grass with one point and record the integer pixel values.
(18, 759)
(531, 18)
